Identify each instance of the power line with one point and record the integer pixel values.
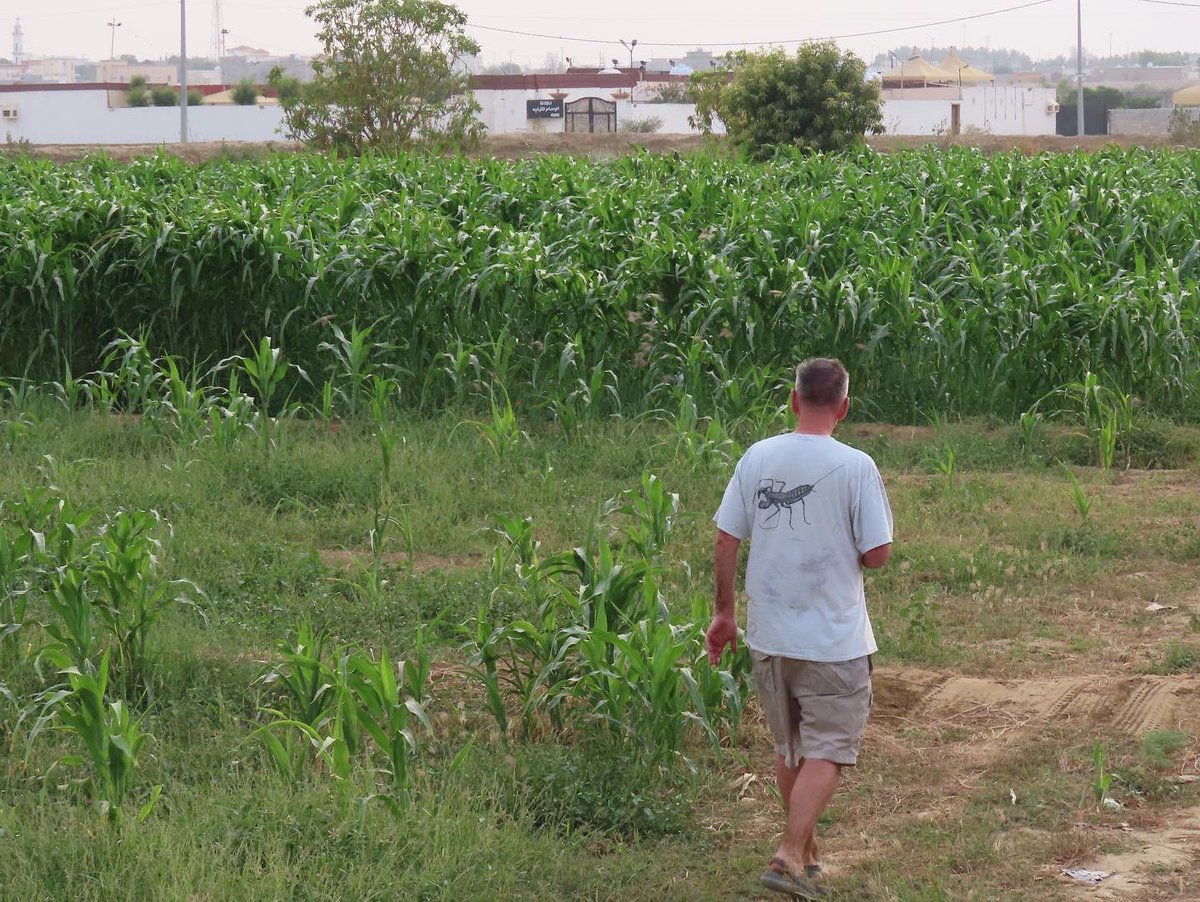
(84, 12)
(1172, 3)
(832, 37)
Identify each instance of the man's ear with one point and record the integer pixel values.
(845, 408)
(795, 402)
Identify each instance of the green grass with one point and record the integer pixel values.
(982, 579)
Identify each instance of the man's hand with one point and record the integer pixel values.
(722, 632)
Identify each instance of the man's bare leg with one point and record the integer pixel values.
(813, 785)
(785, 779)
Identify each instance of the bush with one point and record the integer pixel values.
(1185, 127)
(245, 94)
(164, 96)
(600, 787)
(137, 95)
(646, 125)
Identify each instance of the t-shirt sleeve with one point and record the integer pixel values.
(872, 514)
(734, 516)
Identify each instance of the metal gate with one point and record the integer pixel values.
(591, 115)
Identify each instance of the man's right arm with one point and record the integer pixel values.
(723, 630)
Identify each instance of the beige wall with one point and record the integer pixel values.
(121, 72)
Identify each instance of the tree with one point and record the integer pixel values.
(245, 94)
(287, 87)
(137, 95)
(818, 99)
(390, 77)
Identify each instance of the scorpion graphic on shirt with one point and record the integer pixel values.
(772, 493)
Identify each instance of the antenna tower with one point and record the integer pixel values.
(218, 33)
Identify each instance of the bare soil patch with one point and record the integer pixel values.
(1158, 862)
(1129, 705)
(900, 435)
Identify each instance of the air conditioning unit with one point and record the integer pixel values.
(8, 113)
(1052, 107)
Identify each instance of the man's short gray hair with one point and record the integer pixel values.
(822, 382)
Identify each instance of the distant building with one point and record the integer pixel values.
(254, 64)
(1163, 77)
(122, 72)
(692, 61)
(53, 70)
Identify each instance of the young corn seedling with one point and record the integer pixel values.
(1083, 504)
(386, 716)
(502, 432)
(132, 595)
(266, 371)
(111, 738)
(352, 363)
(305, 679)
(1103, 779)
(130, 376)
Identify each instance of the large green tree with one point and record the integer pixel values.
(391, 76)
(817, 98)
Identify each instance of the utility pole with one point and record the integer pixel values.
(112, 45)
(183, 125)
(1079, 65)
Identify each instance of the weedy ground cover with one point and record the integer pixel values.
(998, 576)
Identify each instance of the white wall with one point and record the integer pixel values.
(504, 112)
(995, 110)
(988, 109)
(84, 117)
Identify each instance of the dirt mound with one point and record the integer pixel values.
(1124, 704)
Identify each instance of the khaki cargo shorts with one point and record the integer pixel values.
(815, 709)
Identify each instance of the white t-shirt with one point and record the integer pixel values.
(810, 507)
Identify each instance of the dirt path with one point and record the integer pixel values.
(1113, 704)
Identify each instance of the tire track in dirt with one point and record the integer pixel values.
(1122, 704)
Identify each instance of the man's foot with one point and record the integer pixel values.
(780, 878)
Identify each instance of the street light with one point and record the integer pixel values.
(1079, 128)
(112, 47)
(183, 98)
(629, 45)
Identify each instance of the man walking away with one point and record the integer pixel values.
(816, 513)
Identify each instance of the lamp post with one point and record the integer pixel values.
(112, 45)
(1079, 65)
(183, 110)
(629, 45)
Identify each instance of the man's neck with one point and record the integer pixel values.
(813, 426)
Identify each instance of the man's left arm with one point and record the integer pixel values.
(872, 521)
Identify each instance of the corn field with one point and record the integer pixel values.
(948, 281)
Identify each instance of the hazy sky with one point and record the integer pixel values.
(151, 29)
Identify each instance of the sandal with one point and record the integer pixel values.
(813, 871)
(779, 877)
